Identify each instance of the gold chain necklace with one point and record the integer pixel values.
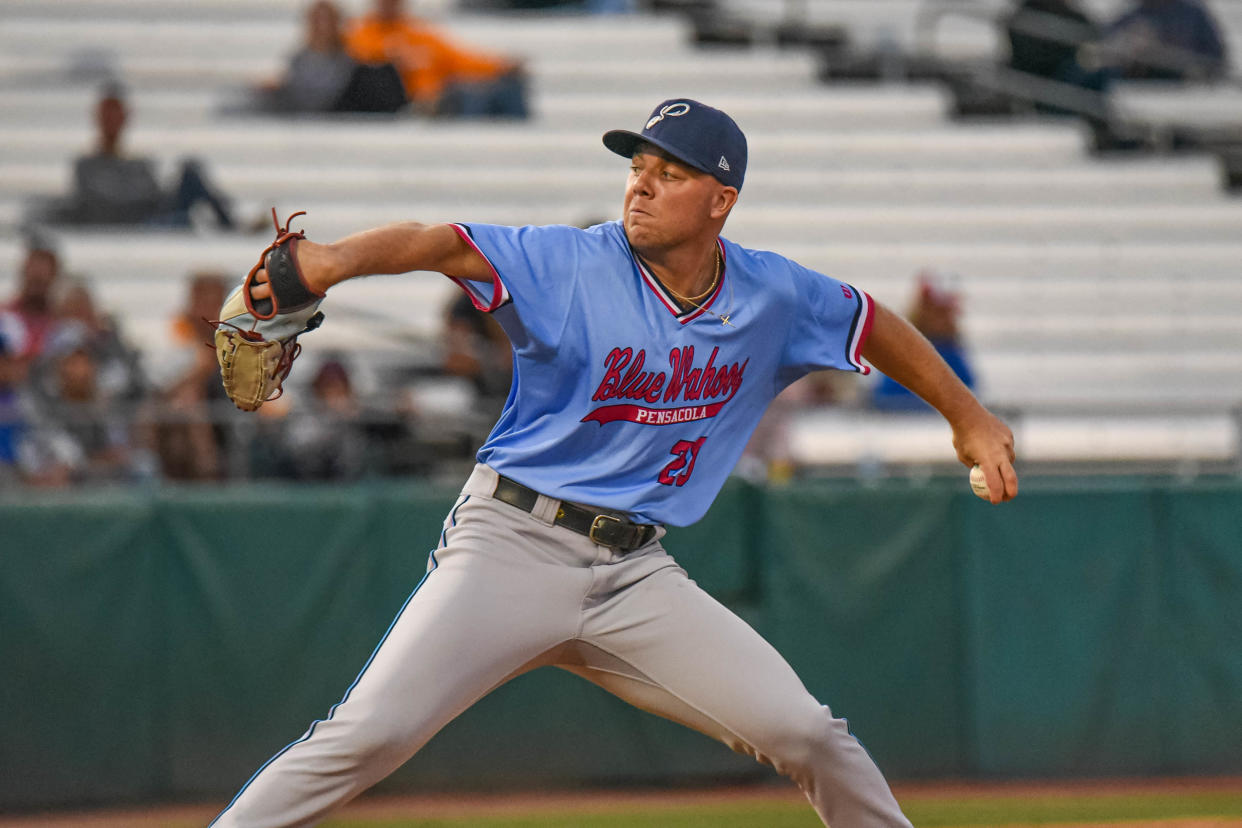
(723, 317)
(693, 300)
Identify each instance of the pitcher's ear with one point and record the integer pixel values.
(726, 197)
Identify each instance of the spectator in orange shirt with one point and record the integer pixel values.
(440, 77)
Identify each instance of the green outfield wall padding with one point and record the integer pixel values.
(863, 601)
(81, 646)
(1201, 637)
(163, 644)
(1063, 617)
(286, 613)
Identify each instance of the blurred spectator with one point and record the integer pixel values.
(110, 188)
(333, 433)
(75, 434)
(1166, 40)
(324, 435)
(118, 372)
(935, 313)
(11, 373)
(317, 73)
(476, 348)
(31, 310)
(190, 441)
(1046, 38)
(587, 6)
(323, 77)
(440, 77)
(26, 321)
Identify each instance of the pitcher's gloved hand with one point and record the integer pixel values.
(256, 339)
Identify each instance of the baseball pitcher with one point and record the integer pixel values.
(645, 351)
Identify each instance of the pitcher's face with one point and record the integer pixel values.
(668, 202)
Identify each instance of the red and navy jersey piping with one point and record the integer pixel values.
(860, 329)
(666, 298)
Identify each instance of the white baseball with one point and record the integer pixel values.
(979, 484)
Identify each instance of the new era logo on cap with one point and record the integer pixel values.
(703, 137)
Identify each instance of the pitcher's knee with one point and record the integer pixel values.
(363, 742)
(806, 743)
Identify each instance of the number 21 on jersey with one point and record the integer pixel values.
(679, 470)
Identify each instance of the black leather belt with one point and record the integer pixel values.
(602, 527)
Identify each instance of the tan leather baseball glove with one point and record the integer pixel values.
(257, 339)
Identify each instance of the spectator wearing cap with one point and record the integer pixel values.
(936, 312)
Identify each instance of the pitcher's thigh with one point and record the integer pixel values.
(695, 661)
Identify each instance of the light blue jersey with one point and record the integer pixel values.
(622, 400)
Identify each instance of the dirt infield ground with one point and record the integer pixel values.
(1171, 803)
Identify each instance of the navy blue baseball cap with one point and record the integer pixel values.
(694, 133)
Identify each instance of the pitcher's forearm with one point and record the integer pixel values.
(393, 248)
(980, 438)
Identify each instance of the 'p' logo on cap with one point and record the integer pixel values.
(673, 110)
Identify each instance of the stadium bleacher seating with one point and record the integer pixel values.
(1102, 296)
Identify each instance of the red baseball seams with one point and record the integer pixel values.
(624, 378)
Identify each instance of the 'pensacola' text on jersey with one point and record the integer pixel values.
(621, 399)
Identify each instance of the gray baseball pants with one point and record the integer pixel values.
(506, 592)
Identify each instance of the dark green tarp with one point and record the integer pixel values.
(163, 644)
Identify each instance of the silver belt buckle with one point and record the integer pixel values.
(600, 522)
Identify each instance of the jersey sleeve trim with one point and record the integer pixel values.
(860, 328)
(477, 290)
